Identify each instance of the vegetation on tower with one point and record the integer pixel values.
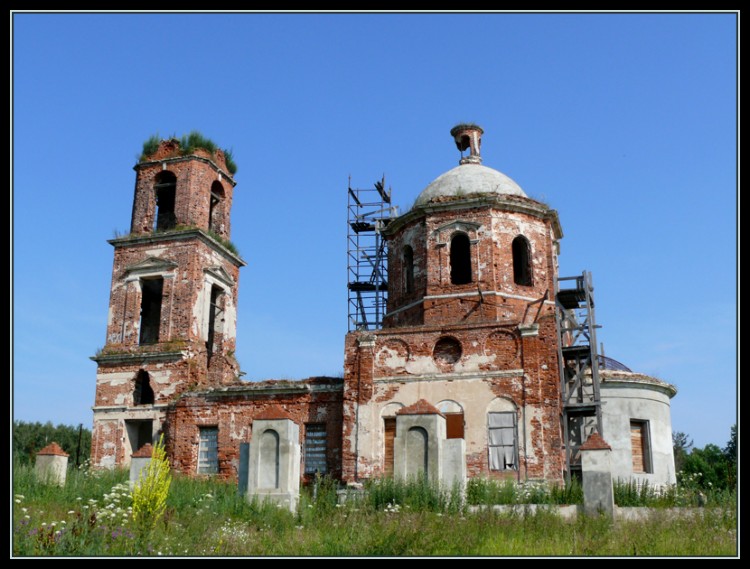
(188, 144)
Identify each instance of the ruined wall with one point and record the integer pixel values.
(475, 344)
(400, 366)
(188, 264)
(491, 228)
(195, 175)
(180, 352)
(233, 410)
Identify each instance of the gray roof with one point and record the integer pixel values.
(469, 179)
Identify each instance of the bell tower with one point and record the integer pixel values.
(171, 324)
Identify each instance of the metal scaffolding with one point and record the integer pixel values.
(579, 365)
(369, 212)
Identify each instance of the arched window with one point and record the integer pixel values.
(522, 261)
(408, 269)
(417, 450)
(460, 259)
(269, 460)
(215, 217)
(143, 394)
(165, 185)
(502, 434)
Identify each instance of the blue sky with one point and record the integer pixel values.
(625, 123)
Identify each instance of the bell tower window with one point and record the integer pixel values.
(460, 256)
(408, 269)
(151, 295)
(521, 261)
(165, 188)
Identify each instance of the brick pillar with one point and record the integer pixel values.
(358, 374)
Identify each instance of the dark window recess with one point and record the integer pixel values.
(151, 293)
(213, 316)
(165, 186)
(460, 259)
(521, 261)
(447, 350)
(408, 269)
(143, 394)
(214, 215)
(139, 433)
(316, 446)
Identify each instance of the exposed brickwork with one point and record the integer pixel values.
(53, 449)
(233, 410)
(199, 281)
(487, 345)
(421, 407)
(146, 451)
(196, 175)
(439, 331)
(595, 442)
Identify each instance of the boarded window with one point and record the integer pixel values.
(460, 259)
(502, 441)
(408, 269)
(389, 429)
(641, 447)
(208, 450)
(143, 394)
(166, 182)
(316, 446)
(522, 261)
(151, 293)
(454, 418)
(454, 425)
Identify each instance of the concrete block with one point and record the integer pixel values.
(274, 473)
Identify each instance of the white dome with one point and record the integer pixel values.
(468, 179)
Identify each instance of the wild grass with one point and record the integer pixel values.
(188, 144)
(207, 517)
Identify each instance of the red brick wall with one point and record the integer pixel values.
(233, 412)
(193, 190)
(488, 326)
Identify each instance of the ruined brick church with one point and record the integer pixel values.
(478, 328)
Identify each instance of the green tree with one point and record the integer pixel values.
(708, 468)
(681, 444)
(730, 453)
(31, 437)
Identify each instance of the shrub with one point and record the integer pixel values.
(151, 491)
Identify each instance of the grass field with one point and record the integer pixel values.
(92, 516)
